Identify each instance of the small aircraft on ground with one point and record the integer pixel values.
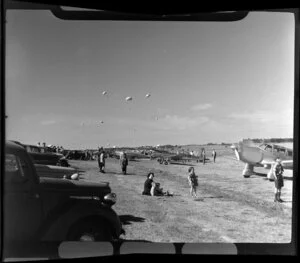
(130, 155)
(263, 155)
(171, 158)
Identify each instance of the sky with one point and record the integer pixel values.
(210, 82)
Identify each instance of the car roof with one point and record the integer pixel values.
(34, 146)
(14, 145)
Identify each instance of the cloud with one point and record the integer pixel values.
(48, 122)
(256, 116)
(199, 107)
(181, 123)
(265, 121)
(163, 123)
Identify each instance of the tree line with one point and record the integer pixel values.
(272, 140)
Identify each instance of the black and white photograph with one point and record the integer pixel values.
(129, 131)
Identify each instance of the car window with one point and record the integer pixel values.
(281, 150)
(42, 150)
(268, 148)
(14, 167)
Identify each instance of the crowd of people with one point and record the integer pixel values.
(153, 188)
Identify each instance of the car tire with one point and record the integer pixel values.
(90, 230)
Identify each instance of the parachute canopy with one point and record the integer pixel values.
(148, 95)
(104, 92)
(101, 121)
(128, 98)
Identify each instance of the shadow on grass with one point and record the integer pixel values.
(199, 199)
(287, 201)
(220, 196)
(185, 164)
(125, 174)
(128, 219)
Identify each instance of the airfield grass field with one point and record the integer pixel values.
(229, 208)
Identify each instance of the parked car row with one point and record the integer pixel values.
(44, 155)
(40, 208)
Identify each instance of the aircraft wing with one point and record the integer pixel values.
(287, 164)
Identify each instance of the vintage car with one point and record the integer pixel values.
(41, 209)
(43, 155)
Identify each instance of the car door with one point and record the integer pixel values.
(22, 204)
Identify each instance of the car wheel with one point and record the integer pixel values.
(96, 230)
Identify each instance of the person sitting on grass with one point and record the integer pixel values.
(152, 188)
(148, 184)
(156, 190)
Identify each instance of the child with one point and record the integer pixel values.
(156, 190)
(278, 174)
(193, 182)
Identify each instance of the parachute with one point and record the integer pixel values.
(147, 95)
(101, 121)
(104, 92)
(128, 98)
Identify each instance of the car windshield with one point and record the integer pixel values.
(154, 90)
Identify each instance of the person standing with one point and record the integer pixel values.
(203, 155)
(124, 163)
(101, 160)
(214, 155)
(193, 182)
(278, 174)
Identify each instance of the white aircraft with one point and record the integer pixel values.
(263, 155)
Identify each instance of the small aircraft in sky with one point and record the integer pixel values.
(263, 155)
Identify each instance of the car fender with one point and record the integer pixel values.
(56, 227)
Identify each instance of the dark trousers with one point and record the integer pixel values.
(101, 166)
(124, 168)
